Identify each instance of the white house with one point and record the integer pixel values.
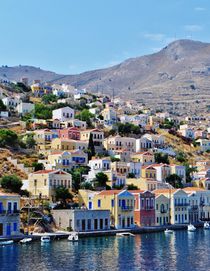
(11, 102)
(24, 108)
(63, 114)
(180, 171)
(204, 144)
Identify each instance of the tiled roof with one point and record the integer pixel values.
(109, 192)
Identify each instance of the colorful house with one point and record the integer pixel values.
(119, 202)
(144, 211)
(9, 214)
(43, 183)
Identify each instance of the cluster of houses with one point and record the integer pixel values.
(64, 141)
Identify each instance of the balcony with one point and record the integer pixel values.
(11, 212)
(149, 208)
(163, 211)
(127, 208)
(194, 207)
(181, 204)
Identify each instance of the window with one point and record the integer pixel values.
(89, 224)
(156, 206)
(78, 224)
(131, 220)
(15, 226)
(157, 220)
(45, 182)
(112, 202)
(119, 202)
(15, 206)
(99, 203)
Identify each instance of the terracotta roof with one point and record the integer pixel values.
(109, 192)
(136, 191)
(164, 191)
(4, 193)
(191, 189)
(44, 171)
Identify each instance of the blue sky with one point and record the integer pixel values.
(72, 36)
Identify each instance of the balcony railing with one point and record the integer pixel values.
(148, 208)
(9, 212)
(163, 211)
(181, 204)
(194, 207)
(127, 208)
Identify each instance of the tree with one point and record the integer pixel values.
(42, 111)
(77, 178)
(62, 194)
(100, 180)
(131, 175)
(11, 183)
(91, 147)
(85, 115)
(114, 159)
(30, 142)
(132, 187)
(48, 98)
(8, 138)
(181, 157)
(174, 180)
(37, 166)
(2, 106)
(161, 158)
(189, 171)
(87, 185)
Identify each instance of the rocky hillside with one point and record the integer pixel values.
(179, 72)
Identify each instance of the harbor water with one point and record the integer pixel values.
(181, 250)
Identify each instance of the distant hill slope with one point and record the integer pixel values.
(181, 69)
(17, 72)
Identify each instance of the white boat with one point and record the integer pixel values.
(123, 234)
(206, 226)
(169, 231)
(26, 240)
(9, 242)
(45, 239)
(73, 237)
(190, 227)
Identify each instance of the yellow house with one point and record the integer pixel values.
(179, 205)
(162, 211)
(9, 214)
(43, 183)
(68, 144)
(145, 158)
(98, 138)
(145, 184)
(148, 172)
(121, 206)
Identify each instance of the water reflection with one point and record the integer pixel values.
(149, 252)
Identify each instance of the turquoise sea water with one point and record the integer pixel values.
(181, 251)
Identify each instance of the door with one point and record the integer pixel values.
(90, 205)
(8, 229)
(1, 207)
(9, 207)
(1, 229)
(83, 225)
(123, 204)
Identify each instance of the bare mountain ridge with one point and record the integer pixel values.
(181, 68)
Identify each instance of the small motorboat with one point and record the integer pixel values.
(191, 228)
(124, 234)
(73, 237)
(26, 240)
(45, 239)
(206, 226)
(4, 243)
(168, 231)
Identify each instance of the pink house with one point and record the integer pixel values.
(69, 133)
